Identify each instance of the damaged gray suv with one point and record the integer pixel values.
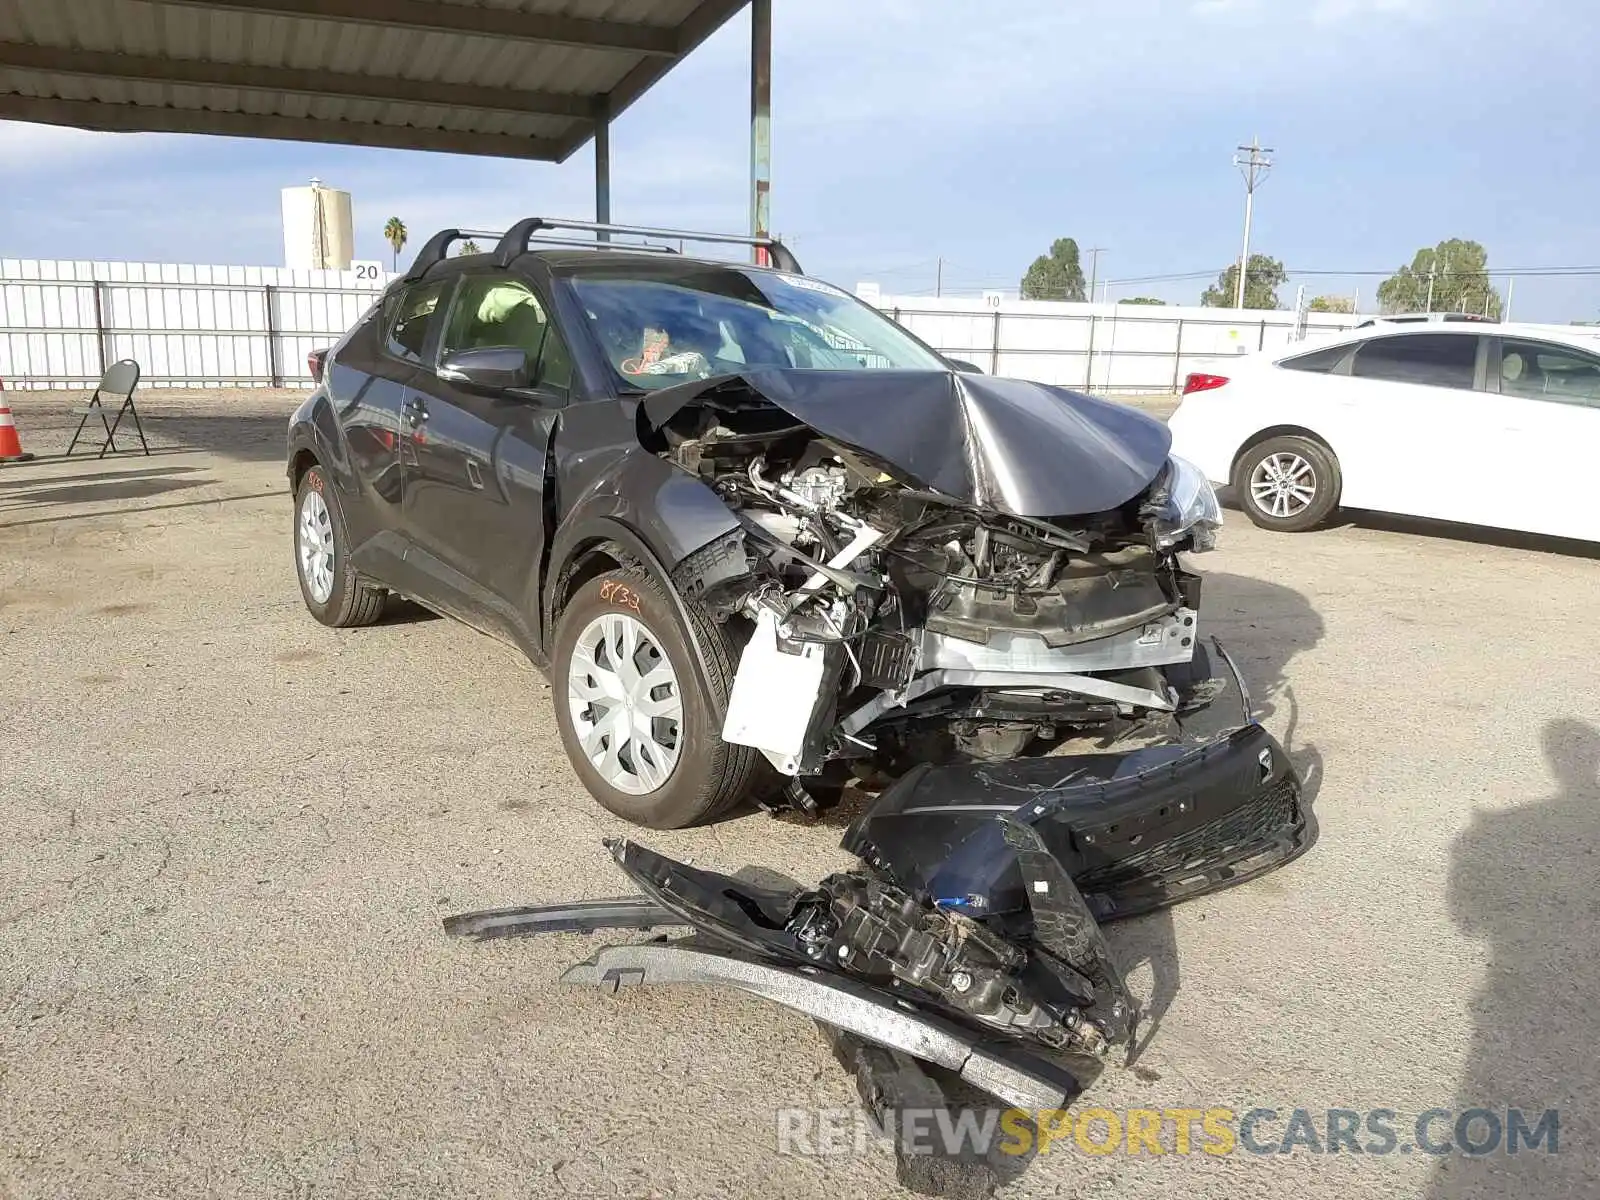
(762, 538)
(766, 543)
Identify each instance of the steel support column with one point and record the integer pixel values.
(761, 124)
(602, 170)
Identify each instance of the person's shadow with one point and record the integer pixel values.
(1527, 883)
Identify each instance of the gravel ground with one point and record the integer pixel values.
(233, 833)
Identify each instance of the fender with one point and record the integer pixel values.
(655, 511)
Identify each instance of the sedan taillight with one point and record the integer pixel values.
(1199, 382)
(314, 360)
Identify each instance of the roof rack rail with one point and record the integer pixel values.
(515, 241)
(548, 239)
(529, 231)
(436, 248)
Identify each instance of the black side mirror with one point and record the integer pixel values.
(488, 368)
(965, 367)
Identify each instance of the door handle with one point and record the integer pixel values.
(474, 476)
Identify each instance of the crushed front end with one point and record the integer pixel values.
(938, 569)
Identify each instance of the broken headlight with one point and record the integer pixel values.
(1191, 509)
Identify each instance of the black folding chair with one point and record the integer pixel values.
(120, 379)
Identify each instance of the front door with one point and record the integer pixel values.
(1549, 405)
(1427, 429)
(474, 476)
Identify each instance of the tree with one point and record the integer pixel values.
(1333, 304)
(1055, 276)
(394, 232)
(1261, 282)
(470, 247)
(1141, 300)
(1458, 270)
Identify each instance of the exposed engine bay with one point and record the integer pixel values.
(890, 623)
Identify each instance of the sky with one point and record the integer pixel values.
(909, 131)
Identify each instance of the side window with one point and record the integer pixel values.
(1542, 371)
(1320, 361)
(491, 310)
(415, 312)
(555, 364)
(1438, 359)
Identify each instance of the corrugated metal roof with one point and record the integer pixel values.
(515, 78)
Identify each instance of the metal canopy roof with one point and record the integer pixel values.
(526, 79)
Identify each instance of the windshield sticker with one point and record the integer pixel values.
(813, 285)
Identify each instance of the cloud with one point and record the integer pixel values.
(1333, 12)
(1318, 12)
(29, 147)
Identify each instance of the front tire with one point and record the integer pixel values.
(633, 719)
(335, 592)
(1288, 484)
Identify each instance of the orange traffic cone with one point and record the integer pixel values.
(10, 443)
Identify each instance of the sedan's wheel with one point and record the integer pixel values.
(334, 592)
(640, 717)
(1283, 485)
(1288, 483)
(626, 703)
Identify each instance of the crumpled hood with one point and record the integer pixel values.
(1016, 447)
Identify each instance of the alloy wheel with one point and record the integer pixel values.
(1283, 485)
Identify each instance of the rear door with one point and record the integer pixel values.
(474, 489)
(1426, 434)
(1548, 395)
(368, 380)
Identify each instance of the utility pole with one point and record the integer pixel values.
(938, 280)
(1094, 268)
(1431, 272)
(1254, 168)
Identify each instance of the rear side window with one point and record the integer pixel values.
(1321, 361)
(1437, 359)
(415, 313)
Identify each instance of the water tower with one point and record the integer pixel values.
(317, 231)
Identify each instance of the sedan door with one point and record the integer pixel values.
(1422, 436)
(474, 488)
(1549, 399)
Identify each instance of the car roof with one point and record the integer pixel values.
(1544, 333)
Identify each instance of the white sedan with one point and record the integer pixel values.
(1494, 425)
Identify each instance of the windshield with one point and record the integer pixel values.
(706, 321)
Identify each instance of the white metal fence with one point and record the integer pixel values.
(1095, 347)
(62, 323)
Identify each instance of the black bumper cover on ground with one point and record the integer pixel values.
(1135, 830)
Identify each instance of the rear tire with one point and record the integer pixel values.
(334, 591)
(707, 775)
(1288, 484)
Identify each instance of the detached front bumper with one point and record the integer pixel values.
(1135, 830)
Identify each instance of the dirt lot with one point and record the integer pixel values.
(232, 834)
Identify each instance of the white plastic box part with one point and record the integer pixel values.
(774, 694)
